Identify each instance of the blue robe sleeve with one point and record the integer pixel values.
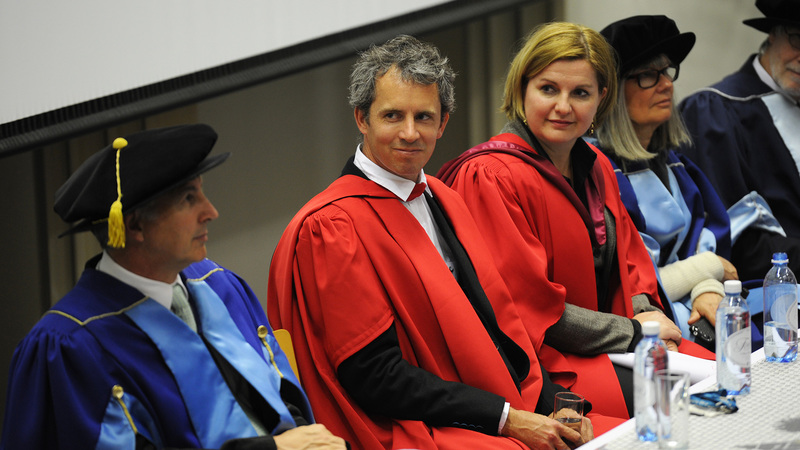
(57, 395)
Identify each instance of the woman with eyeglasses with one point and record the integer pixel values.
(547, 201)
(678, 213)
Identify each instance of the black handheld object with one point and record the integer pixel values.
(703, 331)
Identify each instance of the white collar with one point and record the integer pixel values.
(764, 75)
(397, 185)
(157, 290)
(769, 81)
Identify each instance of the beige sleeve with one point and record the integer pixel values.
(709, 285)
(680, 277)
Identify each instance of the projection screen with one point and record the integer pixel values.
(73, 67)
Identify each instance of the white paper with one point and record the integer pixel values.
(698, 368)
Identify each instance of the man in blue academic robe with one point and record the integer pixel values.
(156, 346)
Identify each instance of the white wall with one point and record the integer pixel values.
(101, 50)
(723, 41)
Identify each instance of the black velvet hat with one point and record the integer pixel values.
(126, 174)
(639, 38)
(778, 12)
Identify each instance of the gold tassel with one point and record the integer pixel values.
(116, 226)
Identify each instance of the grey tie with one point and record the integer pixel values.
(181, 308)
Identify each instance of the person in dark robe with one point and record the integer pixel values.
(155, 346)
(746, 139)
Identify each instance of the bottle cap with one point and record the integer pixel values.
(651, 328)
(733, 287)
(780, 257)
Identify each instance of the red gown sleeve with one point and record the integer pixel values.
(513, 241)
(344, 296)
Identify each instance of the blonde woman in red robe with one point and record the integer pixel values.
(545, 200)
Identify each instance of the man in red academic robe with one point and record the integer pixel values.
(391, 296)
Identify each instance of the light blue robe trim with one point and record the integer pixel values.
(681, 309)
(668, 217)
(116, 432)
(220, 330)
(663, 216)
(653, 248)
(752, 210)
(786, 117)
(707, 241)
(197, 375)
(286, 369)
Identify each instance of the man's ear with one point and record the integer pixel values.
(442, 125)
(134, 227)
(362, 121)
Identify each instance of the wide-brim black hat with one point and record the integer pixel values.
(777, 12)
(152, 163)
(640, 38)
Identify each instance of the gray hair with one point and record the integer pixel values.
(617, 136)
(763, 47)
(777, 30)
(149, 211)
(416, 61)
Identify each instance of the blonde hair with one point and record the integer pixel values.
(555, 41)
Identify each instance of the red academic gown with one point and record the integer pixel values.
(532, 227)
(353, 262)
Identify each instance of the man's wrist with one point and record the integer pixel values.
(503, 418)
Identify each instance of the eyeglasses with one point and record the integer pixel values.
(794, 40)
(649, 78)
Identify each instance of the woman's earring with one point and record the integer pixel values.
(591, 129)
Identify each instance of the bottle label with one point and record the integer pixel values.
(782, 309)
(737, 347)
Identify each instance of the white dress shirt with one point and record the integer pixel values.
(157, 290)
(418, 207)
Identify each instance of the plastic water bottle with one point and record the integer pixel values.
(733, 341)
(650, 355)
(780, 311)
